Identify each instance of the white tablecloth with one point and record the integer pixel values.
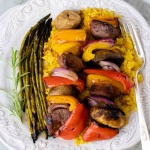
(143, 6)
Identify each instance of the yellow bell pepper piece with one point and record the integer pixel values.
(118, 87)
(72, 101)
(69, 36)
(88, 55)
(68, 47)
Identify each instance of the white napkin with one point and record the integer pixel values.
(142, 6)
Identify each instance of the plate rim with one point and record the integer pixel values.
(125, 3)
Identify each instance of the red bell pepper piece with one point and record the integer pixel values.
(118, 76)
(75, 124)
(53, 81)
(95, 133)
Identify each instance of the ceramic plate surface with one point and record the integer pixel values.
(15, 23)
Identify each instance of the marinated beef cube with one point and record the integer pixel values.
(104, 30)
(102, 90)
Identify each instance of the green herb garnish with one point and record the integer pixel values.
(15, 94)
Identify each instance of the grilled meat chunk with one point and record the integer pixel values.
(71, 62)
(102, 90)
(111, 117)
(64, 90)
(108, 55)
(58, 116)
(104, 30)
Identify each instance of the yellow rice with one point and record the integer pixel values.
(131, 62)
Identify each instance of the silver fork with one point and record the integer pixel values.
(145, 138)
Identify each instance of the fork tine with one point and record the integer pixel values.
(125, 28)
(130, 29)
(137, 40)
(133, 37)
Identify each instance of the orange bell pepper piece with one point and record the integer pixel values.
(72, 101)
(69, 36)
(67, 47)
(110, 20)
(75, 124)
(96, 133)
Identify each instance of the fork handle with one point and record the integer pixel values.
(145, 138)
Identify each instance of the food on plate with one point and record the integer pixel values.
(107, 119)
(34, 101)
(108, 58)
(96, 133)
(67, 19)
(102, 29)
(116, 78)
(74, 35)
(66, 122)
(53, 81)
(71, 62)
(87, 70)
(68, 47)
(110, 116)
(63, 72)
(89, 47)
(64, 90)
(102, 89)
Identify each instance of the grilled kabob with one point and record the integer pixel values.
(64, 111)
(75, 55)
(105, 82)
(107, 118)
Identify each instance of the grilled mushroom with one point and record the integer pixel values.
(112, 117)
(67, 19)
(64, 90)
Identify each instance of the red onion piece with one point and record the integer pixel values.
(53, 107)
(95, 100)
(91, 102)
(62, 72)
(110, 41)
(106, 65)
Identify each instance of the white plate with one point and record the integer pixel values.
(13, 26)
